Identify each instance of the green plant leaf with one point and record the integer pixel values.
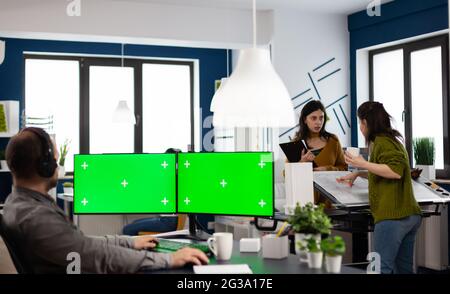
(333, 246)
(424, 151)
(310, 220)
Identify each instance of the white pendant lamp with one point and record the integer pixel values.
(254, 95)
(2, 51)
(223, 81)
(123, 115)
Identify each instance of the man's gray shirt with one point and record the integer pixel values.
(46, 236)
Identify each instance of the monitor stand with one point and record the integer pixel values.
(194, 234)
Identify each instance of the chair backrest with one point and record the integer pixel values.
(181, 220)
(18, 260)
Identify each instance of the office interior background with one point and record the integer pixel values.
(68, 64)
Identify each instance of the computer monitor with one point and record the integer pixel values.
(238, 183)
(124, 183)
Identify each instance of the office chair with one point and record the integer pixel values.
(180, 225)
(21, 265)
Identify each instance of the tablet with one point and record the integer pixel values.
(293, 151)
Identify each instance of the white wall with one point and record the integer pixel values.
(133, 22)
(301, 43)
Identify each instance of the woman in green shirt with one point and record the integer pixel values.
(396, 214)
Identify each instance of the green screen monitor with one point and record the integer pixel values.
(238, 183)
(124, 183)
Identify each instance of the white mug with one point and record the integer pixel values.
(353, 151)
(221, 244)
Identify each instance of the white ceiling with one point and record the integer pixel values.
(324, 6)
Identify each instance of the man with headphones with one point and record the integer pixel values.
(45, 237)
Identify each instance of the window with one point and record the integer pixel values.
(426, 98)
(389, 85)
(82, 93)
(411, 80)
(166, 102)
(108, 85)
(52, 89)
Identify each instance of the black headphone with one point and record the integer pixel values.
(47, 163)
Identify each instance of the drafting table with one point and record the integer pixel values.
(357, 196)
(352, 213)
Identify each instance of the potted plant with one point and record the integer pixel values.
(315, 254)
(333, 248)
(424, 156)
(3, 164)
(308, 221)
(63, 150)
(68, 188)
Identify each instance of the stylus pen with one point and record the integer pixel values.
(281, 229)
(304, 144)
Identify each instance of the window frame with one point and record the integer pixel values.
(408, 48)
(137, 64)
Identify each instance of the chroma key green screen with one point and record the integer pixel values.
(124, 183)
(226, 183)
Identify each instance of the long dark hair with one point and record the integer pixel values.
(303, 132)
(378, 121)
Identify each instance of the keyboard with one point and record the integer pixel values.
(169, 246)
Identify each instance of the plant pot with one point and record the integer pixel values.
(300, 238)
(61, 172)
(333, 263)
(4, 165)
(68, 190)
(428, 171)
(315, 259)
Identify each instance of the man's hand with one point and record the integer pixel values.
(145, 242)
(188, 255)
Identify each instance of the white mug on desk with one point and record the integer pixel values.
(221, 244)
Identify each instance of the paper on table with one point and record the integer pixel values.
(172, 233)
(357, 194)
(223, 269)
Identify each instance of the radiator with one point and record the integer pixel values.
(432, 241)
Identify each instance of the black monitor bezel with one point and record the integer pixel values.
(177, 212)
(239, 215)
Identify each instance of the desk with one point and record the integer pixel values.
(259, 265)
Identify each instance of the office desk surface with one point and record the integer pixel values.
(259, 265)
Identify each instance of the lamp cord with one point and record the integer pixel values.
(123, 49)
(254, 23)
(228, 63)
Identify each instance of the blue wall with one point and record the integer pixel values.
(212, 64)
(399, 19)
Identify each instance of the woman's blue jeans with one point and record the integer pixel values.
(394, 241)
